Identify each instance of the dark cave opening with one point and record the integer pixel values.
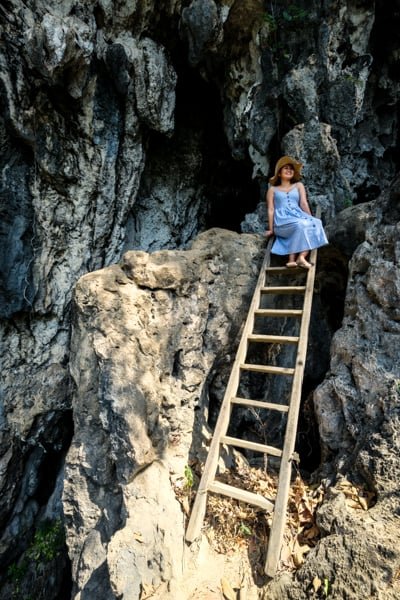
(190, 182)
(225, 181)
(385, 41)
(58, 439)
(230, 190)
(308, 444)
(386, 28)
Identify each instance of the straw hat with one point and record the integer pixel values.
(286, 160)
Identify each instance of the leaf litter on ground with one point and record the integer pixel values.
(231, 525)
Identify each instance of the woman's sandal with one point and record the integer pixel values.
(291, 264)
(303, 263)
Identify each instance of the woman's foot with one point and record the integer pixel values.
(291, 264)
(303, 263)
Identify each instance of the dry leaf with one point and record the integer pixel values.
(352, 503)
(227, 589)
(185, 505)
(396, 576)
(286, 554)
(309, 533)
(356, 496)
(316, 582)
(138, 537)
(225, 515)
(298, 553)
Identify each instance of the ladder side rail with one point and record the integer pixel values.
(279, 516)
(210, 467)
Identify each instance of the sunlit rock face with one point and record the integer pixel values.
(137, 125)
(148, 345)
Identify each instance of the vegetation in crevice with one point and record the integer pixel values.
(46, 548)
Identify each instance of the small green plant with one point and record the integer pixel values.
(291, 18)
(326, 587)
(352, 79)
(294, 13)
(189, 477)
(46, 545)
(47, 542)
(291, 15)
(244, 529)
(271, 21)
(347, 202)
(16, 574)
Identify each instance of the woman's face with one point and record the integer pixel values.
(287, 171)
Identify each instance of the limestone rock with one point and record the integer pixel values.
(323, 178)
(144, 65)
(364, 366)
(357, 411)
(57, 45)
(102, 149)
(150, 335)
(202, 24)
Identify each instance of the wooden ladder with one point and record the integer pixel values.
(208, 482)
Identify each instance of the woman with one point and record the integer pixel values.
(289, 215)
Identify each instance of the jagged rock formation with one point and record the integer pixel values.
(137, 125)
(357, 408)
(134, 310)
(147, 347)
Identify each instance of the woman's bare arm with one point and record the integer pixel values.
(303, 198)
(270, 211)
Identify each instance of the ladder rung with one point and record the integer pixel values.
(260, 404)
(287, 289)
(225, 439)
(267, 369)
(278, 339)
(278, 312)
(285, 270)
(243, 495)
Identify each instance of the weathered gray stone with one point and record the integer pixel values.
(364, 364)
(81, 86)
(149, 338)
(58, 44)
(202, 24)
(348, 565)
(323, 177)
(171, 204)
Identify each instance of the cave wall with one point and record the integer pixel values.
(102, 150)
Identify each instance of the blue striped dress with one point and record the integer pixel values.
(295, 230)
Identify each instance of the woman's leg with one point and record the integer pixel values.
(301, 260)
(291, 261)
(303, 254)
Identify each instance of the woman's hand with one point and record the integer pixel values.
(268, 233)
